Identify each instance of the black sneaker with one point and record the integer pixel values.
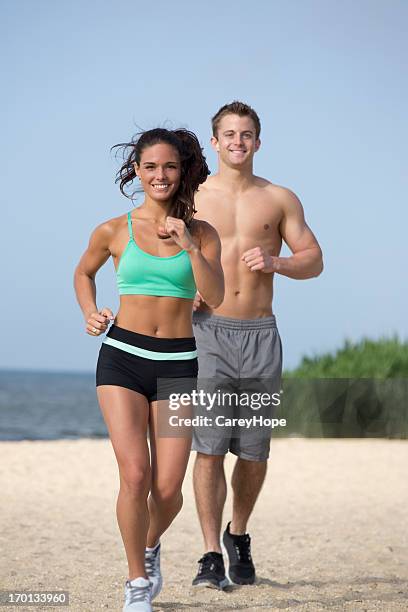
(211, 571)
(240, 569)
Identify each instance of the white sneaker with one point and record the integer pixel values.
(152, 566)
(138, 595)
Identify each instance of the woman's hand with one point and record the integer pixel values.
(176, 229)
(97, 322)
(198, 300)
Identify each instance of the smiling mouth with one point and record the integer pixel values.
(161, 187)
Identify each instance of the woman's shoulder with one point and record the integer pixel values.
(107, 230)
(110, 226)
(203, 230)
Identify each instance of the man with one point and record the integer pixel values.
(239, 339)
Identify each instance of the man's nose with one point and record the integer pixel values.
(238, 139)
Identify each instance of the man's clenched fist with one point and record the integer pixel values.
(259, 259)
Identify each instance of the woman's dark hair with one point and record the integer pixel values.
(194, 169)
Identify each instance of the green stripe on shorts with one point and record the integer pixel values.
(156, 356)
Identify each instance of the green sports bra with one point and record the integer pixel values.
(140, 273)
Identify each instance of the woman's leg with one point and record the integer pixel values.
(126, 415)
(169, 458)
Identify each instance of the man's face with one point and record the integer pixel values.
(236, 141)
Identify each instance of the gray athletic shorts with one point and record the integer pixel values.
(231, 353)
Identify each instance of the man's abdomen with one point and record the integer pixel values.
(246, 298)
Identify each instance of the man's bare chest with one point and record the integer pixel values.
(249, 219)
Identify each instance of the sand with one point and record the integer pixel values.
(330, 529)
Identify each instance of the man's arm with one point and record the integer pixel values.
(306, 261)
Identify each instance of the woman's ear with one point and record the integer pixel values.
(137, 170)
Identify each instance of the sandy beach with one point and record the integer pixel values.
(330, 529)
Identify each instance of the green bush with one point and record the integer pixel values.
(359, 391)
(385, 358)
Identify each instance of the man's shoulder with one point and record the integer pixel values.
(279, 196)
(274, 190)
(215, 190)
(208, 188)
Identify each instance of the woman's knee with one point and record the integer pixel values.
(135, 479)
(167, 493)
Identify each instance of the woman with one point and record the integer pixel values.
(162, 257)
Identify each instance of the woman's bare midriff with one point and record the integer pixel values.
(162, 317)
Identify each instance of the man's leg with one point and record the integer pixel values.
(261, 372)
(218, 358)
(247, 480)
(210, 489)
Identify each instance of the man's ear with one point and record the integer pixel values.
(257, 144)
(215, 144)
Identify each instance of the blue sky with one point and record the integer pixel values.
(329, 82)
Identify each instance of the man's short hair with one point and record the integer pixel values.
(236, 108)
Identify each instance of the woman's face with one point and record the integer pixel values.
(159, 171)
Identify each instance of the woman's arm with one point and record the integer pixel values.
(97, 253)
(205, 258)
(206, 264)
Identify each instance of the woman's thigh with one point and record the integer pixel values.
(169, 455)
(126, 414)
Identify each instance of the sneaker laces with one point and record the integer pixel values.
(151, 561)
(136, 594)
(242, 545)
(207, 563)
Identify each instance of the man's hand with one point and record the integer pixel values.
(176, 229)
(197, 301)
(259, 259)
(98, 322)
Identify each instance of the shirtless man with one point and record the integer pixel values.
(239, 339)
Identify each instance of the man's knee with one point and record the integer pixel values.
(252, 464)
(209, 462)
(248, 472)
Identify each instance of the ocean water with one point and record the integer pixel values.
(49, 406)
(55, 405)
